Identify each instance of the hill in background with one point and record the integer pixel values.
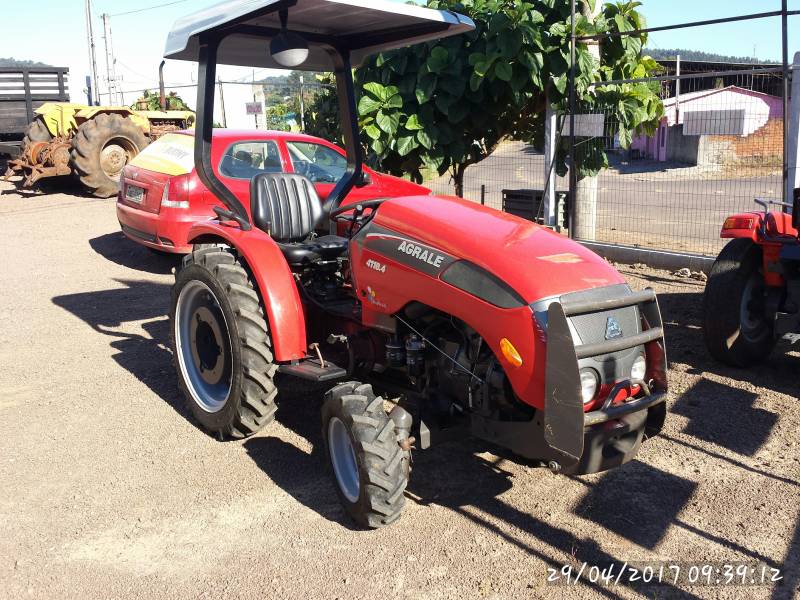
(696, 55)
(13, 62)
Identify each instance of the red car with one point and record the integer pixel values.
(161, 196)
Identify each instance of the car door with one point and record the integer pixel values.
(325, 165)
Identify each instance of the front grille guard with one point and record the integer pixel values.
(565, 419)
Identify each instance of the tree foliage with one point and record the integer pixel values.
(322, 111)
(278, 117)
(700, 56)
(447, 104)
(13, 62)
(152, 101)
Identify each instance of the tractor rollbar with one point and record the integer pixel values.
(796, 209)
(348, 112)
(204, 131)
(565, 420)
(209, 46)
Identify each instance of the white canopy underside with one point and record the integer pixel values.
(363, 27)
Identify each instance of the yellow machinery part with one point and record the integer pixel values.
(63, 119)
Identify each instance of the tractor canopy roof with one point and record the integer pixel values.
(360, 27)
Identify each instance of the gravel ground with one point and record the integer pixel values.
(109, 490)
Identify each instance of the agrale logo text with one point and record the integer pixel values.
(422, 254)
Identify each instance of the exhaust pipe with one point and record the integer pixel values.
(162, 96)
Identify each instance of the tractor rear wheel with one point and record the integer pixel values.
(36, 131)
(221, 344)
(736, 327)
(370, 469)
(101, 149)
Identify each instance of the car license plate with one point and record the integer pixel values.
(134, 193)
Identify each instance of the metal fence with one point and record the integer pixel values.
(662, 201)
(713, 153)
(720, 145)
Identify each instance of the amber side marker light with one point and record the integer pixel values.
(738, 223)
(510, 353)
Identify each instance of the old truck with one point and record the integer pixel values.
(22, 91)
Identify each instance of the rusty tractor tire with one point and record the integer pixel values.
(101, 149)
(36, 131)
(735, 326)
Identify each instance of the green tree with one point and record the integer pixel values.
(322, 110)
(277, 117)
(445, 105)
(153, 101)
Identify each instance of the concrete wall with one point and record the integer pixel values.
(682, 148)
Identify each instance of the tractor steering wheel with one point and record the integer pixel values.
(357, 208)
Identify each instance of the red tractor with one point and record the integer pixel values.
(752, 298)
(432, 317)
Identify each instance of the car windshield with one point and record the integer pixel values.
(319, 163)
(245, 160)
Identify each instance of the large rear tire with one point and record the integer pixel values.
(735, 324)
(221, 344)
(101, 149)
(36, 131)
(370, 470)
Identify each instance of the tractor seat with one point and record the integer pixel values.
(287, 207)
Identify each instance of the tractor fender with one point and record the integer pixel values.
(743, 225)
(90, 112)
(59, 117)
(274, 280)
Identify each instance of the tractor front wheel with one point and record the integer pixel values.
(370, 469)
(221, 344)
(737, 329)
(101, 149)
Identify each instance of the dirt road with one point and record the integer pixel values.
(109, 490)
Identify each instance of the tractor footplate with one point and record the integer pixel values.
(313, 370)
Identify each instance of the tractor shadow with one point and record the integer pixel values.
(145, 355)
(725, 416)
(720, 414)
(115, 247)
(46, 187)
(456, 477)
(299, 403)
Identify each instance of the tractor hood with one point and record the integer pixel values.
(533, 260)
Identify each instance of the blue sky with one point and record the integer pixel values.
(59, 35)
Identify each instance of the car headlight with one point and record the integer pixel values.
(589, 383)
(639, 368)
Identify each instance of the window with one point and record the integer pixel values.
(245, 160)
(319, 163)
(172, 154)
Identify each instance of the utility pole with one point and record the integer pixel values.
(111, 71)
(550, 141)
(302, 106)
(222, 103)
(678, 89)
(94, 92)
(584, 216)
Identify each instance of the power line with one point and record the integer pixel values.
(130, 12)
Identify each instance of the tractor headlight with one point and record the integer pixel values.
(589, 383)
(639, 368)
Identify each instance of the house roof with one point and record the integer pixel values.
(705, 93)
(362, 27)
